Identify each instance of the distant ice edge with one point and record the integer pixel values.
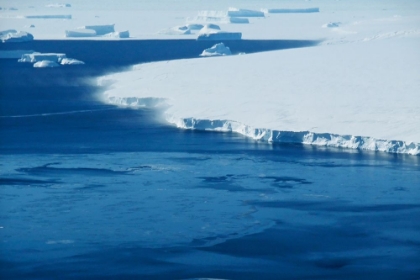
(270, 135)
(302, 137)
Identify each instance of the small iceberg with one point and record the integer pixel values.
(13, 36)
(71, 61)
(46, 64)
(217, 50)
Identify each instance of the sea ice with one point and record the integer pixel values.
(216, 50)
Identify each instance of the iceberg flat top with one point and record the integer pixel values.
(361, 81)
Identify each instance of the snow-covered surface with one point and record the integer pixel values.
(46, 64)
(358, 89)
(13, 36)
(217, 50)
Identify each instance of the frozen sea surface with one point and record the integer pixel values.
(94, 191)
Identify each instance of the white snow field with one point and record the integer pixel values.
(357, 89)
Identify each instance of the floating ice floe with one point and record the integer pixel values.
(234, 12)
(209, 33)
(58, 5)
(70, 61)
(37, 57)
(49, 16)
(46, 64)
(290, 11)
(217, 50)
(12, 36)
(332, 25)
(48, 59)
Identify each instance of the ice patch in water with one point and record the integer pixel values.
(216, 50)
(35, 57)
(70, 61)
(46, 64)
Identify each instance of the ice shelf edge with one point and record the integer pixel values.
(302, 137)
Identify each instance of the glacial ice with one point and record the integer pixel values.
(216, 50)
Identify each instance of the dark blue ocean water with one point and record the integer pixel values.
(92, 191)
